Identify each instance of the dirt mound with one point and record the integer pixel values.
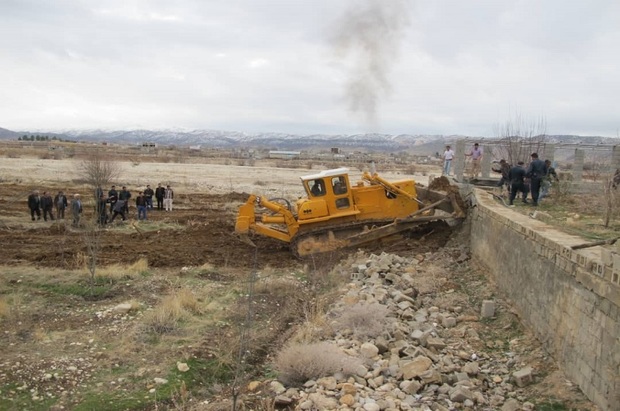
(440, 184)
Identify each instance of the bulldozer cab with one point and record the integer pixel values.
(329, 195)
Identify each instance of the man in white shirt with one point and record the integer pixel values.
(448, 155)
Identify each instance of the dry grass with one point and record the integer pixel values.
(117, 271)
(172, 310)
(165, 317)
(315, 326)
(187, 300)
(298, 363)
(362, 320)
(11, 307)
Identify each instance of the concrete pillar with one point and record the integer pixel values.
(485, 165)
(459, 160)
(578, 165)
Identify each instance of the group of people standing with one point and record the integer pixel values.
(119, 202)
(47, 204)
(107, 207)
(538, 176)
(476, 157)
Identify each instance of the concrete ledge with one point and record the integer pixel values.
(569, 298)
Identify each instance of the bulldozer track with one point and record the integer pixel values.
(322, 234)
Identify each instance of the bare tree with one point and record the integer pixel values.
(596, 165)
(92, 235)
(521, 137)
(98, 171)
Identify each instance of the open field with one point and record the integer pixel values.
(181, 289)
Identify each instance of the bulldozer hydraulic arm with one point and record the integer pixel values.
(375, 179)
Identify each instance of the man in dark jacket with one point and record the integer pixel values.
(159, 195)
(536, 171)
(148, 194)
(119, 208)
(125, 195)
(34, 204)
(504, 169)
(47, 204)
(141, 205)
(516, 176)
(101, 210)
(112, 197)
(60, 202)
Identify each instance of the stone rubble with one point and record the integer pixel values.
(422, 360)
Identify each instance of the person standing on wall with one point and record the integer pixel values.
(168, 197)
(159, 195)
(448, 155)
(476, 157)
(536, 171)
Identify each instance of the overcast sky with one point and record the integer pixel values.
(311, 66)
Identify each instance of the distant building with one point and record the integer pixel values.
(284, 155)
(147, 146)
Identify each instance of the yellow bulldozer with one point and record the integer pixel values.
(337, 214)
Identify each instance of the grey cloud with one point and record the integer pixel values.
(457, 67)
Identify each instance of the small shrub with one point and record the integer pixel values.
(363, 320)
(188, 300)
(166, 317)
(299, 363)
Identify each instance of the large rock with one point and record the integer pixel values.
(416, 367)
(369, 350)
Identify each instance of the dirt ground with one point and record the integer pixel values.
(74, 351)
(193, 234)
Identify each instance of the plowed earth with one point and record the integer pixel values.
(199, 230)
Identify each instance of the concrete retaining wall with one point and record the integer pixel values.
(569, 298)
